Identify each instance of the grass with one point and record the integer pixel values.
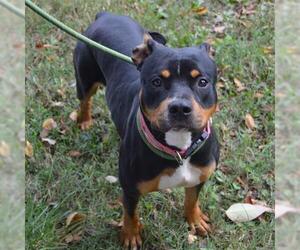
(12, 130)
(57, 183)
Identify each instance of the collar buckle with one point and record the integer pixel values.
(179, 158)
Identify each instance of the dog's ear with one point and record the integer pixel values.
(208, 49)
(141, 52)
(158, 37)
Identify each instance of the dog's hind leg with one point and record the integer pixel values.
(88, 77)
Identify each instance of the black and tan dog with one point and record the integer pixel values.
(161, 108)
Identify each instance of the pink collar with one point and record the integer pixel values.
(165, 151)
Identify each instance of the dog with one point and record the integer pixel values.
(161, 106)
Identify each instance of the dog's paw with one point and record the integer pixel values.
(131, 237)
(85, 125)
(198, 222)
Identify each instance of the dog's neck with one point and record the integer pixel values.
(178, 140)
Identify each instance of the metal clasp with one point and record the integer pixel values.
(179, 158)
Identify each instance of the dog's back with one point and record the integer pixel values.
(121, 34)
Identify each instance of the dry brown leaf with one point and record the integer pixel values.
(249, 121)
(241, 182)
(220, 85)
(201, 10)
(49, 124)
(73, 116)
(239, 86)
(28, 149)
(74, 217)
(74, 153)
(4, 149)
(258, 95)
(283, 207)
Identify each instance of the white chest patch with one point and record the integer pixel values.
(186, 175)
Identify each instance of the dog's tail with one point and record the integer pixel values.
(99, 14)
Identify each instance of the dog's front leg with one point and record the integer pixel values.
(196, 219)
(131, 230)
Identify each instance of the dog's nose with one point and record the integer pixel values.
(180, 108)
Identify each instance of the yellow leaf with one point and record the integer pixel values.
(250, 123)
(28, 149)
(4, 149)
(201, 10)
(73, 116)
(49, 124)
(239, 86)
(75, 217)
(268, 50)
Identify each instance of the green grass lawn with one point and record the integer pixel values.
(57, 182)
(12, 172)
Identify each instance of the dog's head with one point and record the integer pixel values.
(178, 85)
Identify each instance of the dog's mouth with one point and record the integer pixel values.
(189, 125)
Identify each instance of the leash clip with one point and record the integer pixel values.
(179, 158)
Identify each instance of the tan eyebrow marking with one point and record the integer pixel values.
(194, 73)
(165, 73)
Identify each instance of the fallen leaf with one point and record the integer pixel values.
(73, 116)
(57, 104)
(220, 85)
(111, 179)
(114, 223)
(241, 182)
(250, 123)
(74, 153)
(258, 95)
(242, 212)
(4, 149)
(75, 217)
(219, 29)
(73, 237)
(239, 86)
(191, 238)
(28, 149)
(268, 50)
(61, 92)
(69, 238)
(41, 45)
(49, 141)
(201, 10)
(281, 208)
(49, 124)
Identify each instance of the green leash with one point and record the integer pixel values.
(75, 34)
(12, 8)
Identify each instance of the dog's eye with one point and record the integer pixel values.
(202, 82)
(156, 82)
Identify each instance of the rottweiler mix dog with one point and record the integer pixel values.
(161, 107)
